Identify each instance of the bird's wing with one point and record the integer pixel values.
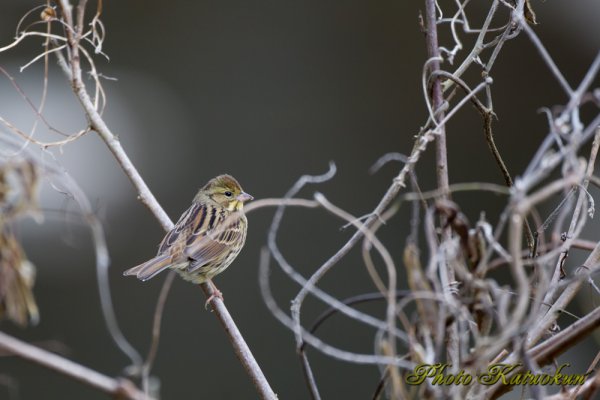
(191, 220)
(222, 236)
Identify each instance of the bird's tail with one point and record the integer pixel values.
(150, 268)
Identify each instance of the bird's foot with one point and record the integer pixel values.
(216, 294)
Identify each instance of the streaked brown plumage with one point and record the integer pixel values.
(208, 236)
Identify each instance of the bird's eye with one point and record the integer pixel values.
(228, 194)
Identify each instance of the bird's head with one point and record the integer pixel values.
(225, 191)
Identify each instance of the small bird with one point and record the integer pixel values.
(207, 238)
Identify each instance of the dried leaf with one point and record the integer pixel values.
(17, 276)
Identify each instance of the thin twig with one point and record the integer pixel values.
(118, 388)
(578, 208)
(160, 306)
(549, 350)
(312, 340)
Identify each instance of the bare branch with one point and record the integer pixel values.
(118, 388)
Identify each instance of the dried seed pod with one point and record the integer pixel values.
(17, 276)
(48, 14)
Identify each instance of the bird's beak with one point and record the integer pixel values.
(244, 197)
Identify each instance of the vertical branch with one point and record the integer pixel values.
(437, 101)
(437, 96)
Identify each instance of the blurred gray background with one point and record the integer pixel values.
(266, 91)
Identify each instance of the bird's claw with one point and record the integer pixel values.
(216, 294)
